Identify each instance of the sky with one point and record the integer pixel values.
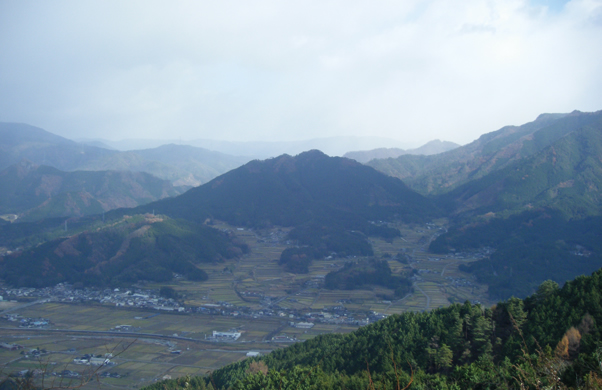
(270, 70)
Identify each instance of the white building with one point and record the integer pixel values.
(304, 325)
(226, 335)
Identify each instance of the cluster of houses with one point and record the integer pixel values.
(64, 292)
(150, 299)
(27, 322)
(94, 360)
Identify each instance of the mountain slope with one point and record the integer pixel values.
(430, 148)
(121, 253)
(35, 192)
(20, 141)
(333, 203)
(567, 175)
(530, 247)
(491, 152)
(182, 165)
(289, 191)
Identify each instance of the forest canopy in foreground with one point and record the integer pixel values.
(548, 340)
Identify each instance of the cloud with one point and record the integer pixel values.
(268, 70)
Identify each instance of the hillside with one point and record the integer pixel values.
(35, 192)
(536, 213)
(491, 152)
(462, 346)
(430, 148)
(529, 248)
(565, 175)
(122, 252)
(289, 191)
(182, 165)
(329, 200)
(20, 141)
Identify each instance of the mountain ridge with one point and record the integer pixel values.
(35, 191)
(182, 165)
(492, 151)
(431, 147)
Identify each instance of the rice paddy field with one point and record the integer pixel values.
(255, 281)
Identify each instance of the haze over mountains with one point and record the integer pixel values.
(549, 168)
(432, 147)
(332, 146)
(527, 196)
(182, 165)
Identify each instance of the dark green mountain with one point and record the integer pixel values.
(542, 214)
(529, 248)
(330, 201)
(355, 275)
(566, 175)
(549, 340)
(491, 152)
(122, 253)
(289, 191)
(35, 192)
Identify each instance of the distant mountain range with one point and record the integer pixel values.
(430, 148)
(332, 146)
(35, 192)
(529, 186)
(182, 165)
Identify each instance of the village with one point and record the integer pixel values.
(150, 299)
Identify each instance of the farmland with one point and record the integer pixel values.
(251, 295)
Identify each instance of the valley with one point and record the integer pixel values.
(251, 295)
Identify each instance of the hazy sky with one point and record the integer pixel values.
(288, 70)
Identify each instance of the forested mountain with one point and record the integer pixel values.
(549, 340)
(541, 214)
(529, 248)
(431, 147)
(182, 165)
(491, 152)
(20, 141)
(289, 191)
(35, 192)
(122, 252)
(331, 201)
(566, 175)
